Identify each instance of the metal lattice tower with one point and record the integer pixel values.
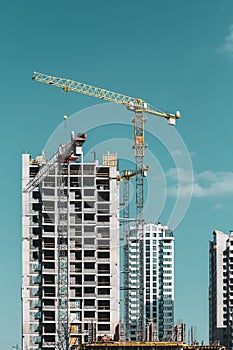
(63, 319)
(139, 157)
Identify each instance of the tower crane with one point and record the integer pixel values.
(139, 107)
(126, 176)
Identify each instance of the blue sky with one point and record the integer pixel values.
(173, 54)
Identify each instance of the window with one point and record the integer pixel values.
(104, 280)
(103, 327)
(89, 302)
(49, 315)
(103, 255)
(103, 291)
(103, 316)
(89, 265)
(89, 253)
(103, 304)
(103, 268)
(89, 278)
(89, 314)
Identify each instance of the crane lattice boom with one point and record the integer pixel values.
(133, 103)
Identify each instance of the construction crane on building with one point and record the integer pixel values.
(125, 176)
(58, 161)
(139, 107)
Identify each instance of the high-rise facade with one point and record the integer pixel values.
(70, 251)
(221, 289)
(157, 245)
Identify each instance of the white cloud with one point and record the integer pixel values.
(227, 46)
(205, 184)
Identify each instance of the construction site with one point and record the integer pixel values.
(76, 231)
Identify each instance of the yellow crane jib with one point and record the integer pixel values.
(132, 103)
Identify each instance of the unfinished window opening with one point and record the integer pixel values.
(49, 328)
(102, 172)
(36, 230)
(49, 228)
(103, 291)
(49, 181)
(75, 169)
(48, 255)
(103, 232)
(49, 265)
(103, 218)
(89, 192)
(48, 205)
(103, 268)
(89, 217)
(33, 171)
(103, 304)
(78, 280)
(36, 195)
(89, 229)
(49, 279)
(35, 219)
(104, 280)
(78, 218)
(89, 242)
(78, 206)
(89, 265)
(103, 208)
(49, 242)
(89, 278)
(89, 253)
(35, 255)
(89, 290)
(36, 243)
(49, 291)
(76, 267)
(48, 192)
(49, 339)
(78, 194)
(78, 254)
(49, 302)
(36, 206)
(88, 182)
(103, 327)
(103, 196)
(75, 181)
(78, 292)
(89, 205)
(88, 169)
(48, 218)
(103, 244)
(102, 184)
(89, 302)
(103, 255)
(103, 316)
(89, 314)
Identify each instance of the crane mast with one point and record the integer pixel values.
(127, 175)
(139, 107)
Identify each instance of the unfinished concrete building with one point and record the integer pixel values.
(70, 251)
